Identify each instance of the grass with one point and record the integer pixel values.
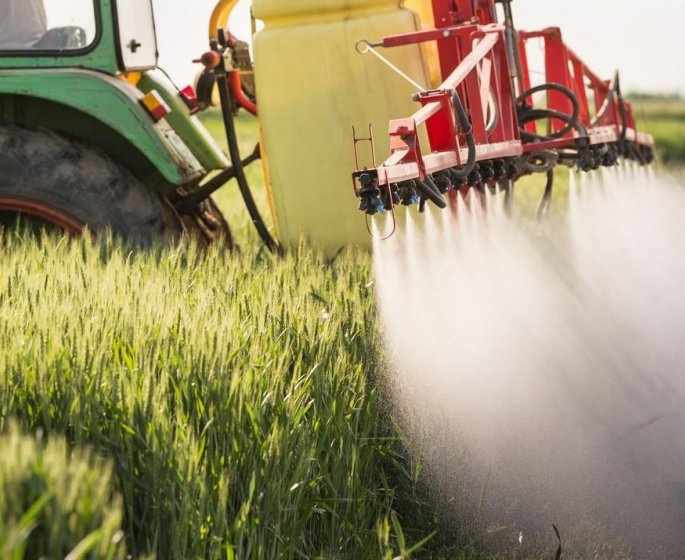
(664, 118)
(231, 393)
(58, 500)
(234, 396)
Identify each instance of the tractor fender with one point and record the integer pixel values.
(103, 111)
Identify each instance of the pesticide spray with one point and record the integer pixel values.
(539, 371)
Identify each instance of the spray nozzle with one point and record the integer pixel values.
(370, 195)
(407, 193)
(443, 182)
(371, 205)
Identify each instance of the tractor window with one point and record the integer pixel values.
(137, 40)
(46, 25)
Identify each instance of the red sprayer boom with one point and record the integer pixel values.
(483, 125)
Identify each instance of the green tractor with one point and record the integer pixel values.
(93, 134)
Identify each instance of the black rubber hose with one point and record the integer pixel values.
(528, 114)
(555, 87)
(538, 114)
(463, 120)
(234, 151)
(430, 191)
(543, 209)
(624, 116)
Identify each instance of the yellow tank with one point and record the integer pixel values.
(312, 87)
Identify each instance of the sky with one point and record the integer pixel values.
(647, 46)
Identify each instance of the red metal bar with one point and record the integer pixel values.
(441, 125)
(556, 68)
(580, 91)
(445, 16)
(419, 37)
(471, 60)
(559, 60)
(531, 126)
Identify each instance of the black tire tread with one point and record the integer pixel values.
(84, 183)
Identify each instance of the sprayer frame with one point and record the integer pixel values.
(485, 61)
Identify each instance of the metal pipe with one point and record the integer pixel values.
(515, 66)
(187, 203)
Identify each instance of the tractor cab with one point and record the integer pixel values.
(111, 36)
(32, 26)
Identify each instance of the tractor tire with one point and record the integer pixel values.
(69, 184)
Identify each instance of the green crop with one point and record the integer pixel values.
(231, 392)
(238, 398)
(58, 500)
(665, 120)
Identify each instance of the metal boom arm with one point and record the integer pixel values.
(482, 124)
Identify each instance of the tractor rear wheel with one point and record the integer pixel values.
(49, 180)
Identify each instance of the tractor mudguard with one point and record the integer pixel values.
(103, 111)
(188, 126)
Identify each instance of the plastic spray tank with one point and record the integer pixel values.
(312, 87)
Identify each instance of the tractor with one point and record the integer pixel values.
(94, 135)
